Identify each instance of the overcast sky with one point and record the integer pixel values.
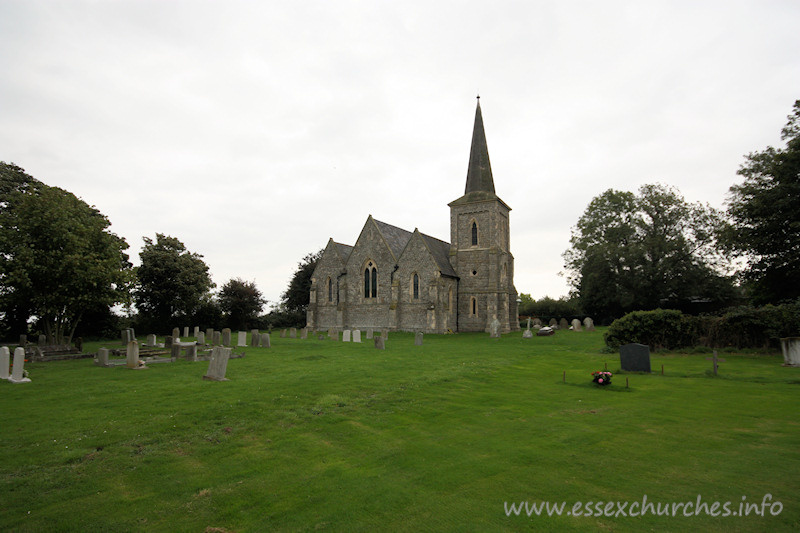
(255, 131)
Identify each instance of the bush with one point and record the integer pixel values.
(659, 329)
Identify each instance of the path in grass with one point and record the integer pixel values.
(328, 435)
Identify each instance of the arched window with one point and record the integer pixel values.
(474, 306)
(330, 290)
(415, 285)
(370, 281)
(474, 233)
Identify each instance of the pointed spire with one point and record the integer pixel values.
(479, 173)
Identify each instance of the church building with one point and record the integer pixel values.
(405, 280)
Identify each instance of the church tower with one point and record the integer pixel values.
(480, 246)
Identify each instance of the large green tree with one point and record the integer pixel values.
(765, 210)
(58, 258)
(242, 302)
(643, 251)
(295, 298)
(171, 282)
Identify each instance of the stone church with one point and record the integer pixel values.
(405, 280)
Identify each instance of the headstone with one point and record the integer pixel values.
(133, 334)
(304, 333)
(563, 324)
(17, 372)
(265, 341)
(201, 338)
(218, 364)
(133, 355)
(191, 352)
(226, 337)
(716, 361)
(527, 334)
(495, 329)
(175, 350)
(790, 346)
(588, 323)
(293, 333)
(124, 337)
(331, 332)
(283, 334)
(79, 344)
(254, 337)
(23, 340)
(576, 325)
(553, 323)
(217, 338)
(385, 334)
(176, 333)
(537, 322)
(210, 334)
(151, 340)
(529, 323)
(185, 331)
(321, 337)
(242, 339)
(168, 341)
(346, 335)
(196, 331)
(369, 333)
(102, 357)
(418, 339)
(5, 361)
(634, 357)
(380, 344)
(356, 335)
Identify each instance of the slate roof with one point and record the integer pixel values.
(396, 238)
(343, 250)
(440, 251)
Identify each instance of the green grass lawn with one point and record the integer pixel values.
(324, 435)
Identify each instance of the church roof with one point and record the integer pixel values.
(396, 238)
(440, 251)
(343, 250)
(479, 173)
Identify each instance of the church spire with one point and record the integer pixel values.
(479, 173)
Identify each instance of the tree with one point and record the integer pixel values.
(241, 301)
(765, 210)
(295, 298)
(171, 282)
(57, 257)
(645, 251)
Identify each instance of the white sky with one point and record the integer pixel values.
(254, 131)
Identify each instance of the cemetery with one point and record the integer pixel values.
(397, 433)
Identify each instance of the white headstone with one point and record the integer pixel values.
(346, 335)
(185, 331)
(5, 361)
(17, 375)
(790, 346)
(356, 335)
(102, 357)
(218, 364)
(242, 338)
(576, 325)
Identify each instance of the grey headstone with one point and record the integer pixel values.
(176, 333)
(369, 333)
(151, 340)
(495, 329)
(185, 331)
(385, 334)
(346, 335)
(265, 341)
(634, 357)
(210, 334)
(5, 362)
(191, 352)
(537, 322)
(588, 323)
(217, 338)
(17, 375)
(102, 357)
(168, 341)
(356, 335)
(241, 339)
(201, 338)
(576, 325)
(321, 337)
(418, 339)
(125, 337)
(790, 347)
(553, 323)
(23, 340)
(283, 334)
(175, 350)
(304, 333)
(293, 333)
(226, 337)
(133, 334)
(563, 324)
(380, 344)
(254, 337)
(196, 331)
(527, 334)
(132, 360)
(218, 364)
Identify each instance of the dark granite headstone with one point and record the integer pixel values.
(634, 357)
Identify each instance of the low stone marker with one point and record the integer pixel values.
(132, 360)
(18, 371)
(369, 333)
(634, 357)
(346, 335)
(218, 364)
(5, 361)
(241, 339)
(418, 339)
(790, 346)
(576, 325)
(265, 341)
(304, 333)
(185, 331)
(380, 344)
(102, 357)
(254, 337)
(356, 335)
(201, 338)
(293, 333)
(226, 336)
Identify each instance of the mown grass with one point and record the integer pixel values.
(324, 435)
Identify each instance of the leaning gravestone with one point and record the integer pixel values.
(576, 325)
(241, 339)
(132, 360)
(201, 338)
(102, 357)
(346, 335)
(790, 346)
(563, 324)
(495, 329)
(379, 343)
(369, 333)
(185, 331)
(18, 372)
(293, 333)
(418, 338)
(254, 337)
(265, 341)
(634, 357)
(218, 364)
(5, 356)
(356, 335)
